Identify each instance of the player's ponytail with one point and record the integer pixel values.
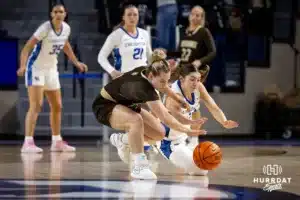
(158, 63)
(157, 55)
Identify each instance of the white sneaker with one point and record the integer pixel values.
(141, 169)
(61, 146)
(123, 149)
(30, 147)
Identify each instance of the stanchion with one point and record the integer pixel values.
(105, 130)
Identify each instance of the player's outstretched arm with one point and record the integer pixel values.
(162, 113)
(175, 110)
(70, 53)
(214, 109)
(171, 94)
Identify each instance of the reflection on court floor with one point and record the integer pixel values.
(96, 172)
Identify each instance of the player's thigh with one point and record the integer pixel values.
(52, 80)
(34, 77)
(122, 118)
(35, 97)
(153, 127)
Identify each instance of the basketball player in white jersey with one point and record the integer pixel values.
(173, 147)
(132, 42)
(39, 64)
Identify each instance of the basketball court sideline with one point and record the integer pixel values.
(96, 172)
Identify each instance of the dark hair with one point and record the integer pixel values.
(122, 14)
(158, 65)
(56, 5)
(186, 69)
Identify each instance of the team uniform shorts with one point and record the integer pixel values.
(49, 78)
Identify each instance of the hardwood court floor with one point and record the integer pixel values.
(95, 171)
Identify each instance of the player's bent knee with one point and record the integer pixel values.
(135, 120)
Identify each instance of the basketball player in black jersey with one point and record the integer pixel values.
(197, 45)
(118, 106)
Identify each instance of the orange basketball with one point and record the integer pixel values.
(207, 155)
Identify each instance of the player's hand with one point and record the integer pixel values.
(81, 67)
(115, 74)
(229, 124)
(197, 63)
(196, 132)
(21, 71)
(199, 121)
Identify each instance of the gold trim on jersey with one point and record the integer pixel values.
(189, 44)
(106, 95)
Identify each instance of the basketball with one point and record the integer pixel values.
(207, 155)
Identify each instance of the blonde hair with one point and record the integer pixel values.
(202, 23)
(157, 54)
(158, 63)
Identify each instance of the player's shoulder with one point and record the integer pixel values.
(204, 30)
(46, 24)
(142, 31)
(176, 86)
(117, 33)
(66, 26)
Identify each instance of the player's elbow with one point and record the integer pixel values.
(101, 58)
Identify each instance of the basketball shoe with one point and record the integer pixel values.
(116, 139)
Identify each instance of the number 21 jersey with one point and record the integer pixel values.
(134, 50)
(45, 52)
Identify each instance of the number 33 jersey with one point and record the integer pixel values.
(134, 50)
(45, 52)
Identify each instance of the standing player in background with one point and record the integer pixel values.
(196, 47)
(133, 44)
(39, 64)
(173, 145)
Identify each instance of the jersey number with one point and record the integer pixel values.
(56, 49)
(186, 53)
(138, 53)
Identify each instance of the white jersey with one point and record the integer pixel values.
(44, 54)
(194, 105)
(134, 51)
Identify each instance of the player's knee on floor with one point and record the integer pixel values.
(182, 157)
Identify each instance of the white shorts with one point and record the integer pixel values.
(48, 78)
